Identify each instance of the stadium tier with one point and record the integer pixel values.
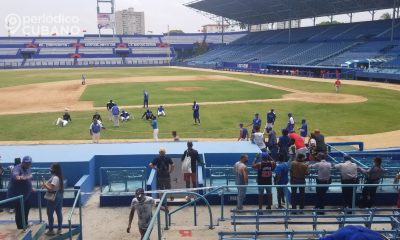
(92, 50)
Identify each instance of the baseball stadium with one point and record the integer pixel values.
(177, 135)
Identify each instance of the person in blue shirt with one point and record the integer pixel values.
(21, 184)
(115, 114)
(271, 117)
(283, 145)
(161, 111)
(125, 116)
(303, 129)
(290, 123)
(94, 130)
(256, 122)
(154, 125)
(196, 113)
(148, 114)
(145, 99)
(281, 178)
(243, 134)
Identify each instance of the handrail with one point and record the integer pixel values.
(21, 202)
(78, 197)
(353, 159)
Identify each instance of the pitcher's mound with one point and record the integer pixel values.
(325, 97)
(184, 89)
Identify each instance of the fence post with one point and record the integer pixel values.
(353, 204)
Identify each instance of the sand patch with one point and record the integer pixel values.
(184, 89)
(335, 98)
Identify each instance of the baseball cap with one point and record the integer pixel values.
(27, 159)
(256, 113)
(162, 149)
(264, 155)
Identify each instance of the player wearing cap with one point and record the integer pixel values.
(143, 205)
(196, 113)
(337, 84)
(290, 123)
(272, 143)
(66, 118)
(256, 122)
(271, 117)
(161, 111)
(20, 184)
(303, 129)
(109, 106)
(265, 168)
(145, 99)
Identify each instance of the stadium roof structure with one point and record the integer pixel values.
(267, 11)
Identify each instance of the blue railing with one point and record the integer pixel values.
(76, 201)
(121, 175)
(221, 191)
(19, 198)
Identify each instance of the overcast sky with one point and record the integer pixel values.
(44, 17)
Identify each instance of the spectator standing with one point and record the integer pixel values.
(373, 176)
(55, 185)
(258, 138)
(283, 145)
(290, 124)
(20, 184)
(323, 177)
(320, 141)
(94, 130)
(154, 126)
(164, 167)
(281, 178)
(298, 173)
(66, 118)
(303, 129)
(348, 172)
(242, 178)
(145, 99)
(196, 113)
(115, 115)
(272, 143)
(265, 169)
(271, 117)
(109, 106)
(161, 111)
(243, 133)
(194, 161)
(299, 143)
(312, 147)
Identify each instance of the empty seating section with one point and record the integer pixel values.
(56, 42)
(96, 50)
(148, 60)
(395, 63)
(228, 38)
(8, 51)
(57, 51)
(141, 41)
(99, 61)
(151, 50)
(49, 62)
(183, 39)
(100, 41)
(363, 51)
(10, 41)
(328, 45)
(10, 62)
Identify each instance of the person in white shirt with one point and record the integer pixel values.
(349, 175)
(324, 177)
(258, 138)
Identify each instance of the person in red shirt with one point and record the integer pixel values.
(299, 143)
(338, 83)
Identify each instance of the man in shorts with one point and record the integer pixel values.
(265, 168)
(164, 167)
(143, 204)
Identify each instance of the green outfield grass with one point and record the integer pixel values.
(160, 93)
(379, 114)
(28, 76)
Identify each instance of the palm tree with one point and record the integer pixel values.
(386, 16)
